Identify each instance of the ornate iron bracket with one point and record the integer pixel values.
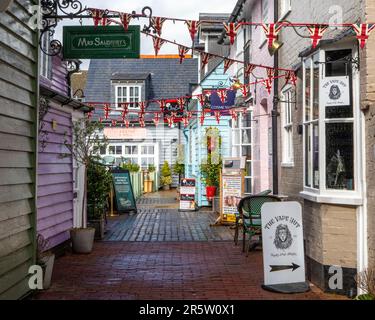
(53, 11)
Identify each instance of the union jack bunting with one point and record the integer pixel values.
(291, 77)
(245, 90)
(98, 16)
(270, 73)
(227, 64)
(107, 110)
(249, 68)
(189, 115)
(202, 99)
(268, 84)
(223, 94)
(126, 123)
(271, 30)
(316, 33)
(158, 42)
(181, 102)
(156, 119)
(185, 121)
(231, 30)
(217, 116)
(162, 105)
(193, 27)
(201, 119)
(205, 57)
(124, 113)
(125, 20)
(182, 51)
(142, 106)
(363, 31)
(100, 119)
(170, 121)
(142, 122)
(157, 23)
(207, 93)
(233, 114)
(114, 123)
(124, 106)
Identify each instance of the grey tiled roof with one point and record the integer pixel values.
(129, 76)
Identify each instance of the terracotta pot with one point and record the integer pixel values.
(210, 192)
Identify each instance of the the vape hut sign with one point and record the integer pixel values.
(108, 42)
(335, 91)
(283, 253)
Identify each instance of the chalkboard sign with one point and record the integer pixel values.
(123, 190)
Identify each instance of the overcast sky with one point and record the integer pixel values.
(178, 32)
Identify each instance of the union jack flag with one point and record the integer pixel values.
(316, 33)
(189, 115)
(201, 119)
(157, 23)
(162, 105)
(124, 113)
(142, 106)
(181, 102)
(205, 57)
(182, 51)
(245, 90)
(270, 73)
(98, 16)
(114, 123)
(363, 31)
(142, 122)
(107, 110)
(156, 119)
(231, 30)
(193, 27)
(268, 84)
(223, 94)
(227, 64)
(158, 42)
(125, 20)
(185, 121)
(271, 30)
(170, 121)
(291, 77)
(249, 68)
(100, 119)
(127, 123)
(217, 116)
(202, 99)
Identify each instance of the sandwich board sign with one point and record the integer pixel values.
(187, 195)
(124, 195)
(283, 252)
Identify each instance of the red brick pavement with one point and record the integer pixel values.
(164, 270)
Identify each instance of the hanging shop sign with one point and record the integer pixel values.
(123, 189)
(187, 194)
(335, 91)
(110, 42)
(221, 101)
(283, 253)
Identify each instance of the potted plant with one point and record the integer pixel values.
(179, 169)
(46, 260)
(84, 146)
(99, 182)
(210, 171)
(148, 182)
(166, 176)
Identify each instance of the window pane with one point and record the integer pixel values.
(134, 150)
(103, 150)
(144, 163)
(246, 136)
(246, 120)
(307, 156)
(248, 188)
(131, 92)
(236, 152)
(337, 63)
(151, 150)
(316, 87)
(144, 150)
(248, 168)
(236, 137)
(128, 150)
(316, 155)
(307, 89)
(119, 150)
(111, 149)
(339, 156)
(246, 151)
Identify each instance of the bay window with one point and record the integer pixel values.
(331, 131)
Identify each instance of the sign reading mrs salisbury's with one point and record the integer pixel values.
(335, 91)
(108, 42)
(282, 234)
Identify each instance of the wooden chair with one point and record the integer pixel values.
(238, 223)
(249, 210)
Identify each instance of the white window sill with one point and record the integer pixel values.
(348, 199)
(287, 164)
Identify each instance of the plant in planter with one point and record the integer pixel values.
(210, 171)
(166, 176)
(148, 181)
(366, 282)
(179, 168)
(99, 182)
(45, 259)
(132, 167)
(84, 146)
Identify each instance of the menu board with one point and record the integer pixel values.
(123, 191)
(231, 196)
(187, 195)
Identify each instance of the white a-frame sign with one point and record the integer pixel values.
(283, 253)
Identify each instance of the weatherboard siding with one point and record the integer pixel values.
(55, 180)
(58, 76)
(18, 117)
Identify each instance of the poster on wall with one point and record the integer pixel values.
(283, 251)
(335, 91)
(187, 195)
(231, 196)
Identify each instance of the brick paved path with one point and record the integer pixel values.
(163, 270)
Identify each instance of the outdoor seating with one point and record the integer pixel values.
(238, 223)
(249, 210)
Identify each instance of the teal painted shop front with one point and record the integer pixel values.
(195, 149)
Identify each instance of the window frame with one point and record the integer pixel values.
(127, 86)
(285, 8)
(286, 111)
(323, 194)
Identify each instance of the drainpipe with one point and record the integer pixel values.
(275, 160)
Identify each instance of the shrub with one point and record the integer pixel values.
(151, 168)
(132, 167)
(166, 174)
